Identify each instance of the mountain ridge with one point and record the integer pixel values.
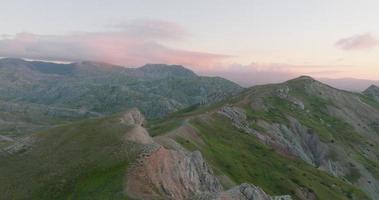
(106, 89)
(301, 138)
(332, 130)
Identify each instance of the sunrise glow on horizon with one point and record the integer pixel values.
(235, 39)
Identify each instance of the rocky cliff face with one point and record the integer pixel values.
(291, 139)
(176, 173)
(171, 174)
(242, 192)
(328, 128)
(165, 173)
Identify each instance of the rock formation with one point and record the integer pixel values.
(177, 174)
(242, 192)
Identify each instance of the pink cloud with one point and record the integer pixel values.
(133, 43)
(358, 42)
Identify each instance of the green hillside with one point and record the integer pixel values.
(84, 160)
(300, 138)
(287, 138)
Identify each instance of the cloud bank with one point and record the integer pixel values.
(358, 42)
(132, 43)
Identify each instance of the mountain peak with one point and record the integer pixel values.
(372, 91)
(302, 80)
(309, 84)
(372, 87)
(304, 77)
(163, 70)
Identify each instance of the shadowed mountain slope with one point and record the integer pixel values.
(94, 89)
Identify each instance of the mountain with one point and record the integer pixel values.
(373, 92)
(300, 139)
(36, 91)
(111, 158)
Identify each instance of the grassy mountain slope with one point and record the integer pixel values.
(84, 160)
(109, 158)
(238, 157)
(300, 137)
(244, 159)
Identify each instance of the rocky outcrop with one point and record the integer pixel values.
(179, 175)
(295, 139)
(133, 117)
(239, 119)
(283, 93)
(175, 173)
(171, 174)
(304, 193)
(137, 134)
(9, 146)
(165, 173)
(242, 192)
(247, 192)
(236, 115)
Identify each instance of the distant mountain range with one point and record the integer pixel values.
(37, 94)
(203, 138)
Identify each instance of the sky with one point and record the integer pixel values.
(248, 41)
